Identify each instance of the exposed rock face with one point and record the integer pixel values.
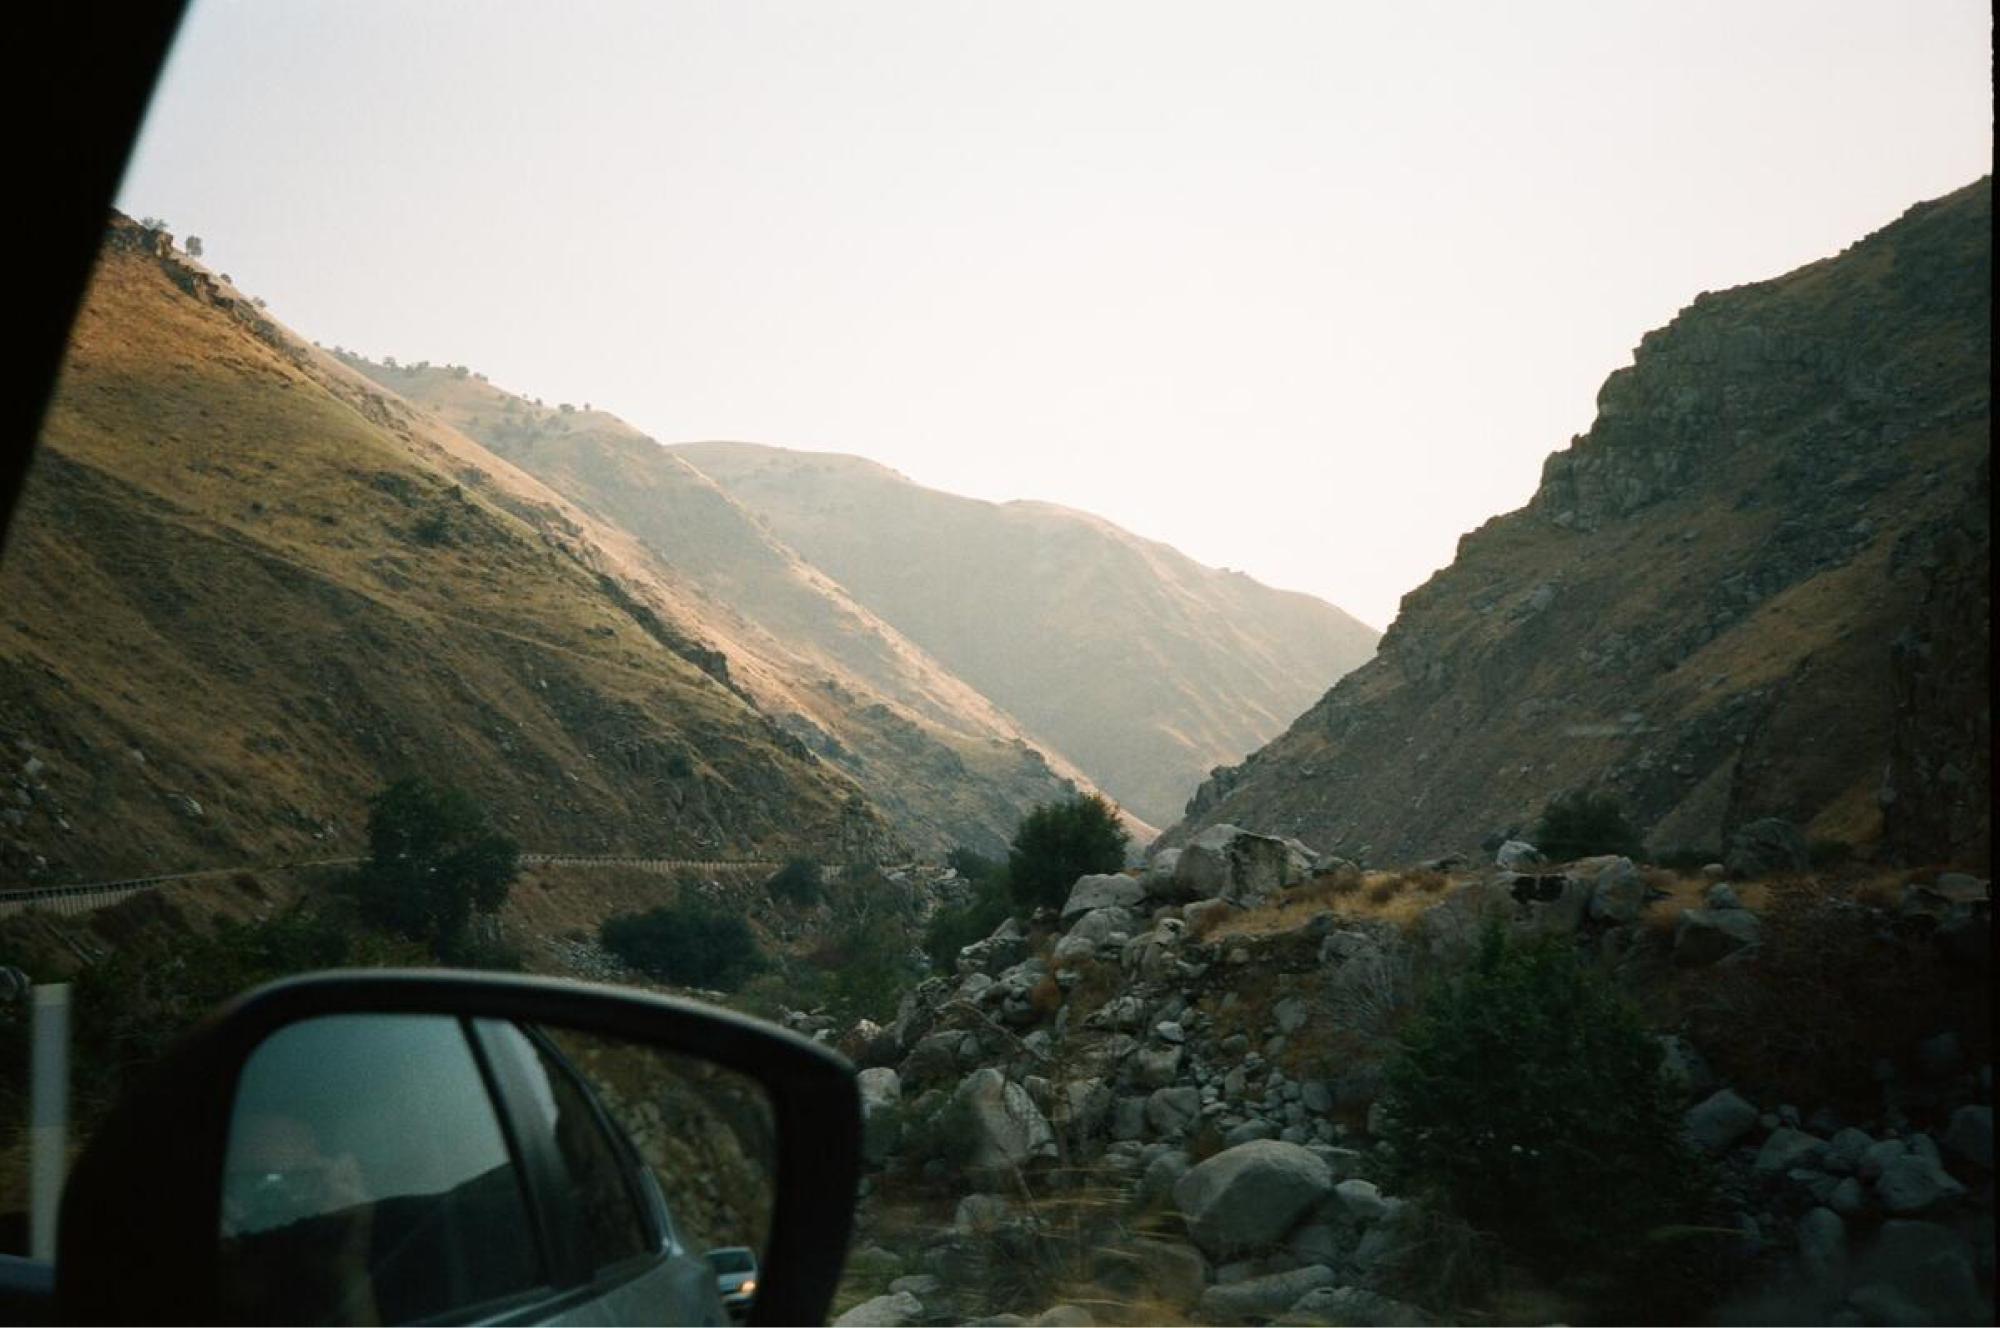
(1695, 611)
(1224, 862)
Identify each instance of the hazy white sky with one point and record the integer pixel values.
(1304, 289)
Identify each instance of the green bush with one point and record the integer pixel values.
(1582, 825)
(433, 861)
(1058, 842)
(797, 882)
(868, 967)
(1525, 1093)
(689, 945)
(953, 928)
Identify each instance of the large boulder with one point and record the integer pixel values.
(1111, 891)
(1518, 855)
(1006, 947)
(1766, 848)
(1225, 862)
(1719, 1121)
(1264, 1297)
(890, 1311)
(1704, 936)
(1249, 1196)
(1618, 892)
(1008, 1130)
(881, 1091)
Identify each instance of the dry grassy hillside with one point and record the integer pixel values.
(1144, 666)
(945, 764)
(243, 590)
(1702, 607)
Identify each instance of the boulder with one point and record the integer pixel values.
(1822, 1238)
(1721, 895)
(881, 1090)
(1705, 936)
(890, 1311)
(1352, 1304)
(1721, 1121)
(1618, 892)
(982, 1214)
(1249, 1196)
(1264, 1297)
(1226, 862)
(1915, 1183)
(1171, 1111)
(1766, 848)
(1787, 1149)
(1970, 1136)
(1008, 1130)
(1362, 1200)
(1093, 892)
(1685, 1067)
(1518, 855)
(1006, 947)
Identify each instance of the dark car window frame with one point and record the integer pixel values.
(578, 1275)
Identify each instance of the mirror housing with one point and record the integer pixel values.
(138, 1235)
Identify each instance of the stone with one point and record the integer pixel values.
(1226, 862)
(982, 1214)
(1171, 1111)
(1352, 1304)
(881, 1090)
(1722, 895)
(1850, 1198)
(1719, 1121)
(1249, 1131)
(1316, 1097)
(1786, 1149)
(1157, 1065)
(1913, 1183)
(1106, 891)
(1877, 1156)
(1156, 1184)
(1362, 1200)
(1316, 1243)
(1518, 855)
(1705, 936)
(1264, 1297)
(1618, 894)
(1969, 1136)
(1849, 1145)
(1006, 947)
(1766, 848)
(919, 1285)
(1822, 1241)
(1204, 915)
(1009, 1131)
(891, 1311)
(1248, 1197)
(1290, 1014)
(1684, 1066)
(1064, 1316)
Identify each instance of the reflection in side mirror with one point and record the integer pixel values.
(401, 1147)
(390, 1168)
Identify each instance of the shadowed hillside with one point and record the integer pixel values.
(1733, 598)
(244, 589)
(1144, 666)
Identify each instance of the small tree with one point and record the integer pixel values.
(1526, 1094)
(797, 882)
(194, 246)
(1060, 841)
(1580, 825)
(433, 861)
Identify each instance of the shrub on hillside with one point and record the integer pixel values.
(868, 966)
(434, 860)
(954, 927)
(797, 882)
(1060, 841)
(1581, 825)
(1526, 1095)
(689, 945)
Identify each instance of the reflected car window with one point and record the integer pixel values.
(596, 1191)
(367, 1179)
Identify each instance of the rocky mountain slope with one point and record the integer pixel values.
(1756, 584)
(945, 764)
(245, 588)
(1142, 665)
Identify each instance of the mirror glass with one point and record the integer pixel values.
(395, 1168)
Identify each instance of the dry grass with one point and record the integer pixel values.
(1399, 897)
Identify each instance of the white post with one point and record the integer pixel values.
(48, 1117)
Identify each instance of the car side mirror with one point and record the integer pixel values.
(387, 1147)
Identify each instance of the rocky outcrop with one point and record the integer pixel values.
(1695, 612)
